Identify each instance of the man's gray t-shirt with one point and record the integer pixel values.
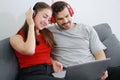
(76, 45)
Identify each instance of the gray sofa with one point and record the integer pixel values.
(9, 66)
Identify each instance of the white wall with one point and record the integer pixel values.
(91, 12)
(12, 15)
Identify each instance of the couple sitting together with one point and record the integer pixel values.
(42, 50)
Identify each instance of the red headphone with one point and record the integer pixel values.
(70, 11)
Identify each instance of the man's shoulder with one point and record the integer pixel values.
(84, 26)
(52, 26)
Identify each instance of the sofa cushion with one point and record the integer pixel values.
(8, 61)
(103, 31)
(113, 50)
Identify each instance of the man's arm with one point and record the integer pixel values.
(57, 66)
(99, 55)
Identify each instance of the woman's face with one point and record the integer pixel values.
(42, 18)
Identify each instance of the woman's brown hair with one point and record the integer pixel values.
(46, 34)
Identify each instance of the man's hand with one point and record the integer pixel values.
(105, 75)
(57, 66)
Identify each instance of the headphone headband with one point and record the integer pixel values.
(71, 12)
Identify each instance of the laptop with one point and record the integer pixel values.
(87, 71)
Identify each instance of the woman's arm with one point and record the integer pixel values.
(17, 41)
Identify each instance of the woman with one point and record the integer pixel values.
(33, 43)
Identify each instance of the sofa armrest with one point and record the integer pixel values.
(111, 42)
(8, 62)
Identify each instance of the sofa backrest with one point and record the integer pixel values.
(103, 30)
(8, 62)
(9, 65)
(111, 42)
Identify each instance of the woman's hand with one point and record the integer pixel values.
(57, 66)
(105, 75)
(29, 17)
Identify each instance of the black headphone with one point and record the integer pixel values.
(34, 13)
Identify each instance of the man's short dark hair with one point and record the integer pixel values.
(58, 7)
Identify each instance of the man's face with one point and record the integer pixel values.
(64, 19)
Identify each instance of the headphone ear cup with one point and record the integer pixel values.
(70, 10)
(34, 13)
(53, 20)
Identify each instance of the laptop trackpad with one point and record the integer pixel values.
(60, 74)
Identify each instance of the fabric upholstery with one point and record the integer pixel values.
(113, 50)
(103, 31)
(8, 61)
(111, 42)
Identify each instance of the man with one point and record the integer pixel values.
(76, 43)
